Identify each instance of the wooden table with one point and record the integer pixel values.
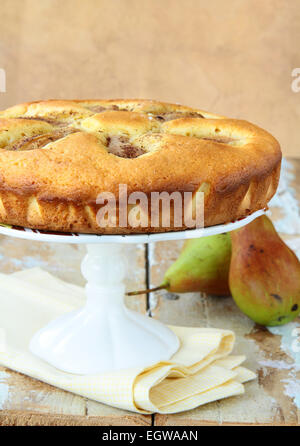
(24, 401)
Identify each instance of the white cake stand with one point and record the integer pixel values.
(104, 335)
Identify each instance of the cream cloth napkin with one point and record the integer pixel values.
(200, 372)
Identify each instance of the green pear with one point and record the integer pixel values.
(203, 265)
(264, 276)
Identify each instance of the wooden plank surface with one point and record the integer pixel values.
(24, 401)
(266, 400)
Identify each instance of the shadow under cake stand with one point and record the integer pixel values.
(104, 335)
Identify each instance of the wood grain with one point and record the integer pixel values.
(234, 58)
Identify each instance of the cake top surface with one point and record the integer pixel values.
(75, 148)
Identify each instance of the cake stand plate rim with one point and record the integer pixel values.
(76, 238)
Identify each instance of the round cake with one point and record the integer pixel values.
(59, 156)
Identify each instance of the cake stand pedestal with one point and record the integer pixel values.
(104, 335)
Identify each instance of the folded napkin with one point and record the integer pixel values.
(200, 372)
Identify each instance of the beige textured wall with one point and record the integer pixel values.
(233, 57)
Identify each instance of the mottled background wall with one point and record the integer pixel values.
(234, 57)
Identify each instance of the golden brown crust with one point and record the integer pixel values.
(57, 156)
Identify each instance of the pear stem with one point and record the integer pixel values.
(146, 291)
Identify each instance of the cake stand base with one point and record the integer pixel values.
(103, 335)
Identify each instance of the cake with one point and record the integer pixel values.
(58, 156)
